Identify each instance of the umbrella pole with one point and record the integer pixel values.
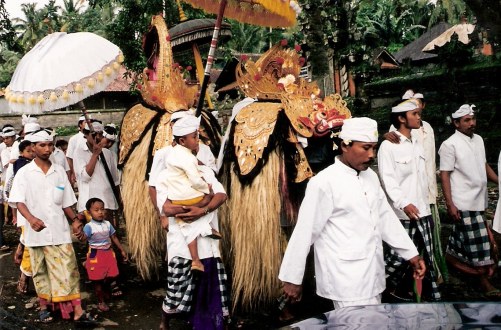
(210, 57)
(114, 188)
(200, 73)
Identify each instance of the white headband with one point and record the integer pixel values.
(405, 106)
(41, 135)
(464, 110)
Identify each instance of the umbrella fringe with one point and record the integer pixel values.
(63, 96)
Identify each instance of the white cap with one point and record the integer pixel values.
(97, 126)
(31, 127)
(8, 131)
(186, 125)
(359, 129)
(41, 135)
(464, 110)
(405, 106)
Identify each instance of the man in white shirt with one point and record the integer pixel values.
(402, 171)
(75, 142)
(464, 172)
(92, 179)
(346, 216)
(43, 195)
(426, 137)
(213, 304)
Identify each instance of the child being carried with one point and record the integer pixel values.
(185, 184)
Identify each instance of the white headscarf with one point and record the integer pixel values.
(41, 135)
(8, 131)
(361, 129)
(186, 125)
(464, 110)
(97, 126)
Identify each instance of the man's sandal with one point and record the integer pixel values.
(45, 317)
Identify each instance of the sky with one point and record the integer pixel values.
(13, 7)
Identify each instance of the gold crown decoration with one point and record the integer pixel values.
(274, 72)
(163, 85)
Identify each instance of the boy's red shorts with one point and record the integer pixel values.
(101, 264)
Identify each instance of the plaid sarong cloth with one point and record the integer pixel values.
(469, 240)
(181, 286)
(420, 231)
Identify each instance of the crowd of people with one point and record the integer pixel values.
(373, 233)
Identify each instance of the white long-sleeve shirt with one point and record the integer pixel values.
(402, 170)
(346, 216)
(182, 176)
(426, 137)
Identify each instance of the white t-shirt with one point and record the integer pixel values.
(45, 195)
(465, 158)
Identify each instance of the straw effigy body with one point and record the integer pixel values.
(145, 236)
(251, 220)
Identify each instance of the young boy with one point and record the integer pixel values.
(184, 183)
(402, 171)
(101, 263)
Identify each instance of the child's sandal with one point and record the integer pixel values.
(45, 317)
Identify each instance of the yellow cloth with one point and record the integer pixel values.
(186, 202)
(25, 266)
(55, 272)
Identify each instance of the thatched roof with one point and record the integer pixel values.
(413, 51)
(384, 59)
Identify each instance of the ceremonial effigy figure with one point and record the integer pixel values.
(264, 166)
(144, 130)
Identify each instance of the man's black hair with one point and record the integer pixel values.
(61, 143)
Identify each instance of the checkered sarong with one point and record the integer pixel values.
(469, 240)
(223, 287)
(420, 231)
(181, 286)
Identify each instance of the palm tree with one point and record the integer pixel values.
(32, 29)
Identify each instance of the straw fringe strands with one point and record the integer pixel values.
(145, 236)
(258, 242)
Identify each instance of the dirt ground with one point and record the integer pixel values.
(139, 307)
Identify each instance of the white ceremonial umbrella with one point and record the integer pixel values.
(62, 69)
(462, 30)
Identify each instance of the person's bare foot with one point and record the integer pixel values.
(103, 307)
